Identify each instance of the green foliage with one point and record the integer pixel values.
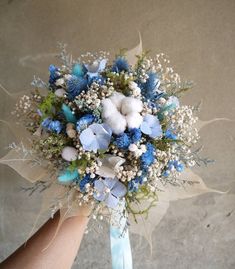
(135, 199)
(51, 146)
(50, 105)
(165, 143)
(120, 82)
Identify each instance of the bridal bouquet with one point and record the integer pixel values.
(108, 133)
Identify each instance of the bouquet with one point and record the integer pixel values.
(111, 134)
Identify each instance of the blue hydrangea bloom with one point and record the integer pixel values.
(122, 141)
(120, 64)
(147, 158)
(96, 137)
(149, 89)
(109, 191)
(84, 121)
(75, 86)
(170, 135)
(135, 135)
(86, 179)
(54, 74)
(151, 126)
(53, 126)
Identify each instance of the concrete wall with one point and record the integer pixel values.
(198, 36)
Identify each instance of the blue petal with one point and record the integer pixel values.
(145, 128)
(156, 131)
(111, 201)
(119, 189)
(68, 114)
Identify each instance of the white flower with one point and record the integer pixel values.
(120, 112)
(59, 82)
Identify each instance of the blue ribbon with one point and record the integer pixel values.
(120, 248)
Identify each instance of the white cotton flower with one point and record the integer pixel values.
(120, 112)
(116, 99)
(116, 122)
(130, 104)
(134, 120)
(108, 108)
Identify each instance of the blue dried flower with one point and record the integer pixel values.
(75, 86)
(54, 74)
(53, 126)
(120, 64)
(149, 89)
(134, 184)
(135, 135)
(147, 158)
(123, 141)
(86, 179)
(79, 70)
(84, 121)
(170, 135)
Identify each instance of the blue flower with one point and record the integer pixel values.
(84, 121)
(147, 158)
(173, 165)
(109, 191)
(75, 86)
(122, 141)
(53, 126)
(54, 74)
(120, 64)
(151, 126)
(85, 180)
(135, 135)
(78, 70)
(149, 89)
(95, 137)
(95, 68)
(134, 184)
(98, 79)
(170, 135)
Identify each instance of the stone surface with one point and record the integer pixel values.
(198, 36)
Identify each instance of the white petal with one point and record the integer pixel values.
(134, 120)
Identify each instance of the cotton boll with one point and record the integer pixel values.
(108, 108)
(59, 82)
(134, 120)
(117, 123)
(116, 99)
(130, 104)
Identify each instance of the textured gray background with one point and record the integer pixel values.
(199, 38)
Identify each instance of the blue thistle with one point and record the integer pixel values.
(75, 86)
(122, 141)
(150, 87)
(54, 74)
(135, 135)
(120, 64)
